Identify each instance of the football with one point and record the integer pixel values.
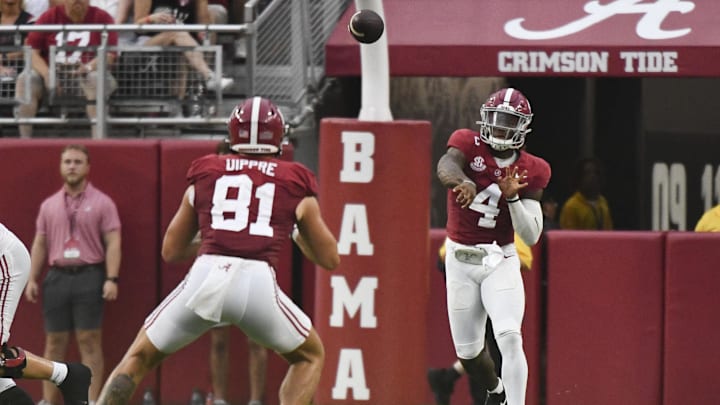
(366, 26)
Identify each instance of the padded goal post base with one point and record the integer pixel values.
(371, 311)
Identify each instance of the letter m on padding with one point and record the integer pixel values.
(362, 299)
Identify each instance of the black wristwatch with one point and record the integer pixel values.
(113, 279)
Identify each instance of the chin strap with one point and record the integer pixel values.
(527, 219)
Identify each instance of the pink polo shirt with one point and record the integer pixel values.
(94, 215)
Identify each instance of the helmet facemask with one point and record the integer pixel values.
(503, 128)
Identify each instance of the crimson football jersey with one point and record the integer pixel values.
(246, 204)
(42, 40)
(487, 219)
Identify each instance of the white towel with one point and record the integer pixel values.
(494, 255)
(208, 299)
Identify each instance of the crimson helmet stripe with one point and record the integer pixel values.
(254, 116)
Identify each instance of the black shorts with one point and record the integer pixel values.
(73, 300)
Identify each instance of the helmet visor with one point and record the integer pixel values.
(503, 119)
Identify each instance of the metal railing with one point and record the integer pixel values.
(285, 62)
(286, 48)
(103, 97)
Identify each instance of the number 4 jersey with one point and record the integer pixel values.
(246, 204)
(487, 219)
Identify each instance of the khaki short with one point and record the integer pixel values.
(74, 85)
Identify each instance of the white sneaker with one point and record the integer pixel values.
(218, 85)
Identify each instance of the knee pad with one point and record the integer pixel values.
(12, 361)
(509, 342)
(15, 396)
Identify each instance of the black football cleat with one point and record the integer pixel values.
(15, 396)
(496, 399)
(76, 385)
(442, 383)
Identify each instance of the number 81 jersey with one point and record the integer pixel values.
(487, 219)
(246, 204)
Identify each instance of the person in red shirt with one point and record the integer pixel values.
(245, 205)
(76, 70)
(494, 190)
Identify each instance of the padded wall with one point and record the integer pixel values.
(605, 317)
(692, 358)
(127, 172)
(532, 325)
(176, 388)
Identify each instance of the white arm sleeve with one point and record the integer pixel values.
(527, 219)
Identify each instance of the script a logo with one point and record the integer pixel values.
(649, 26)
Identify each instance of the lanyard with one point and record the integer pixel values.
(71, 209)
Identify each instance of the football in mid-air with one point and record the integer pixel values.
(366, 26)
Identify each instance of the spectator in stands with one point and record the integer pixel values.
(219, 351)
(179, 12)
(550, 210)
(710, 221)
(587, 208)
(12, 13)
(75, 69)
(78, 236)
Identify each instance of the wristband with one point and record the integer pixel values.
(516, 199)
(112, 279)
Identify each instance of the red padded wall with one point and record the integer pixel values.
(692, 358)
(176, 388)
(127, 172)
(532, 322)
(605, 317)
